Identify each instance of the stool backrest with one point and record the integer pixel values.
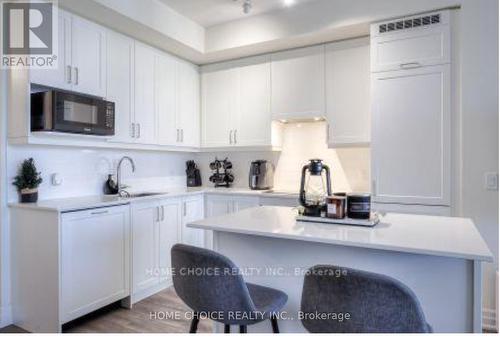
(209, 282)
(374, 303)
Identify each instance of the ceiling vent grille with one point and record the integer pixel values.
(409, 23)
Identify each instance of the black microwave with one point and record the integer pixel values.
(63, 111)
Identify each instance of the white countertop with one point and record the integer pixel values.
(98, 201)
(420, 234)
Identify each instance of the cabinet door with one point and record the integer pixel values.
(417, 46)
(188, 103)
(88, 54)
(241, 203)
(348, 92)
(253, 121)
(120, 79)
(219, 100)
(144, 110)
(165, 87)
(411, 136)
(60, 77)
(145, 245)
(218, 205)
(298, 83)
(170, 223)
(94, 259)
(192, 211)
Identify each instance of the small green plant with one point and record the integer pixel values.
(27, 176)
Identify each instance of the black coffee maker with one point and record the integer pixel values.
(315, 187)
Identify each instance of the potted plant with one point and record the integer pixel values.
(27, 181)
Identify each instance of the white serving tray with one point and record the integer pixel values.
(374, 219)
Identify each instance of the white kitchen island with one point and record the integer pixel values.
(439, 258)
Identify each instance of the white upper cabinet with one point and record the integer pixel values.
(411, 42)
(82, 58)
(187, 104)
(144, 105)
(298, 83)
(60, 77)
(119, 88)
(165, 93)
(236, 104)
(219, 102)
(88, 54)
(252, 123)
(348, 92)
(411, 136)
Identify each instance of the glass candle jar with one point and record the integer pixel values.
(335, 207)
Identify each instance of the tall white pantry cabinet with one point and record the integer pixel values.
(411, 111)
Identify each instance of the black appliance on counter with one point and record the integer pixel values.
(193, 174)
(315, 187)
(222, 175)
(57, 110)
(261, 176)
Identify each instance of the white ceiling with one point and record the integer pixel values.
(213, 12)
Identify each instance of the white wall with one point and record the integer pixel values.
(479, 105)
(84, 171)
(312, 18)
(350, 167)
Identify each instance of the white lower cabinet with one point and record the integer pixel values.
(157, 225)
(224, 204)
(145, 245)
(94, 259)
(192, 210)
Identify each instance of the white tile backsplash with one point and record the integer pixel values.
(350, 167)
(84, 170)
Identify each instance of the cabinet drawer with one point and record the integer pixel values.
(412, 47)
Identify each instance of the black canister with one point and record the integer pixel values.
(358, 206)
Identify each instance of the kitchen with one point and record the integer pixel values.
(393, 101)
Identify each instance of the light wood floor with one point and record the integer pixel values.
(141, 317)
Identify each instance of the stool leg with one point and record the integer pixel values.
(274, 323)
(243, 329)
(194, 323)
(227, 328)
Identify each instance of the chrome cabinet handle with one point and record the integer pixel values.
(132, 130)
(231, 137)
(76, 75)
(138, 130)
(158, 214)
(235, 139)
(182, 135)
(374, 187)
(410, 65)
(177, 139)
(69, 70)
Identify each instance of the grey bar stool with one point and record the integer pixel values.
(209, 284)
(375, 303)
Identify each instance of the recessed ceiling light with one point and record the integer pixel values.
(288, 2)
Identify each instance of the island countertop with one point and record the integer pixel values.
(420, 234)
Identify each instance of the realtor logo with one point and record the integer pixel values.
(29, 34)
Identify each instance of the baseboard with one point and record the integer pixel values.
(5, 316)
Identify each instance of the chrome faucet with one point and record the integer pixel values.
(121, 191)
